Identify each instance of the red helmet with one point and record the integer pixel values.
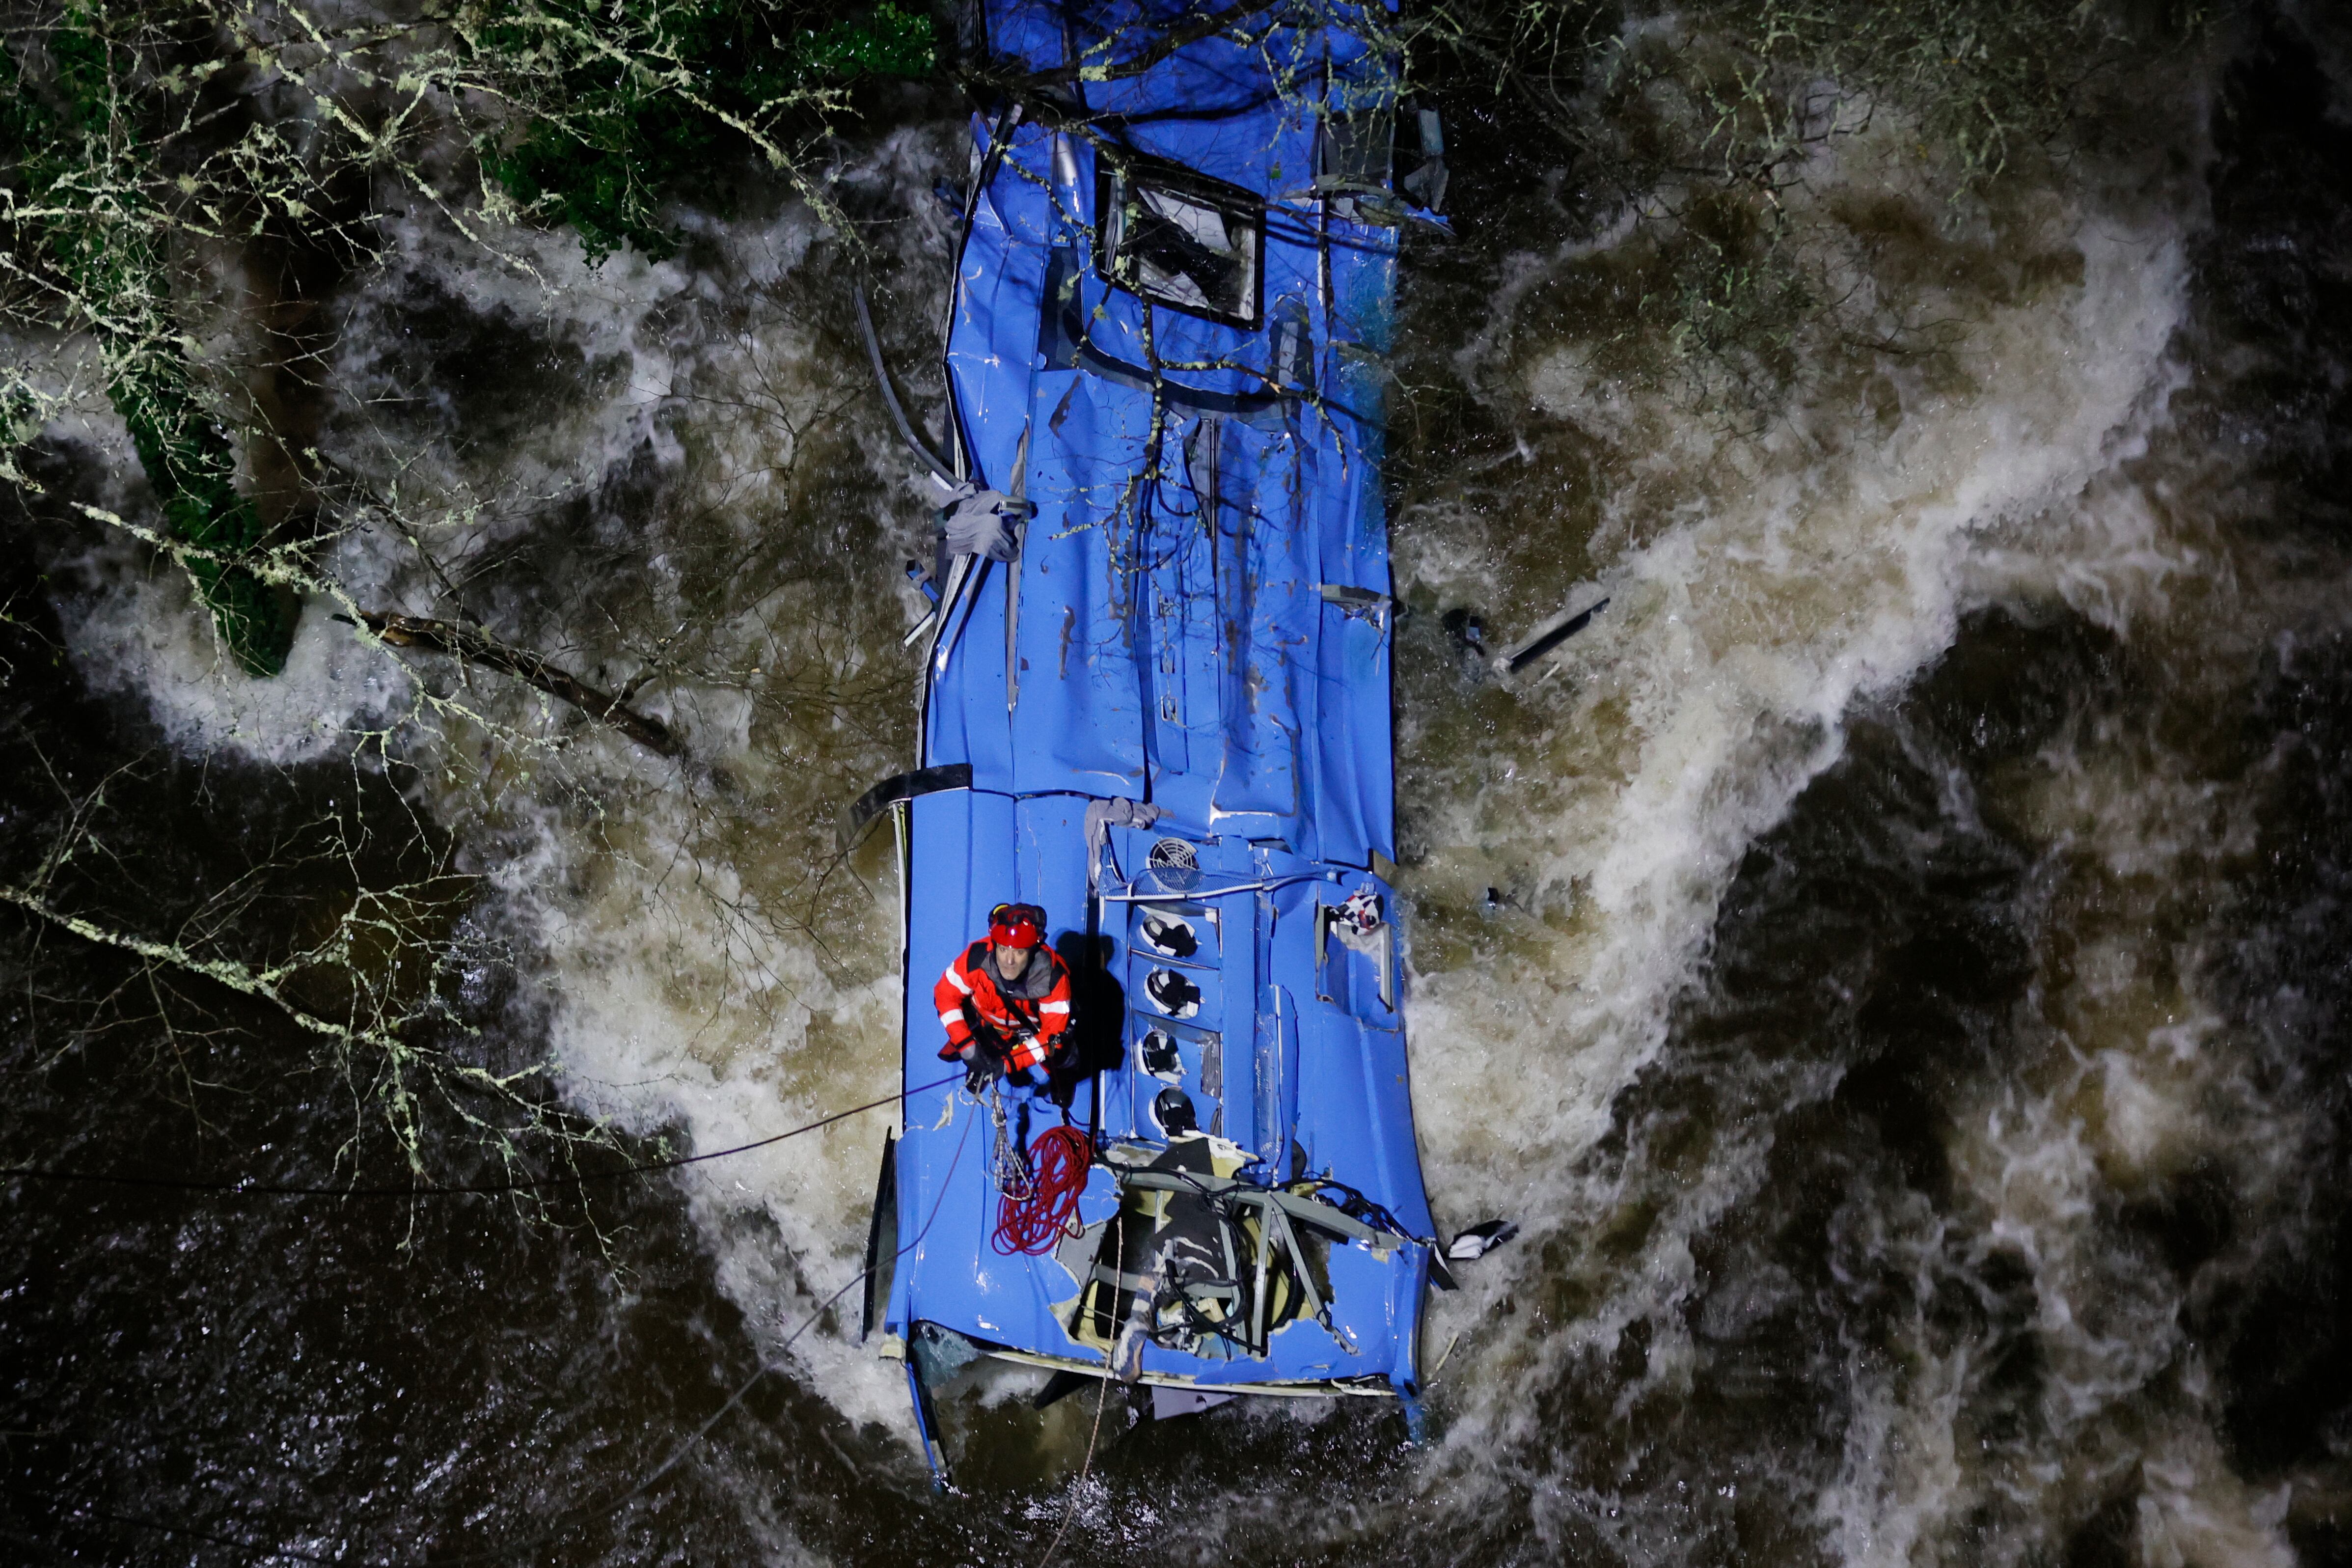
(1016, 925)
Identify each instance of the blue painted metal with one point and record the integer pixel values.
(1198, 619)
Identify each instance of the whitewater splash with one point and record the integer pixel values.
(1768, 590)
(679, 466)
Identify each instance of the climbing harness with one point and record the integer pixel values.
(1008, 1162)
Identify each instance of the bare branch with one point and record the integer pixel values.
(480, 649)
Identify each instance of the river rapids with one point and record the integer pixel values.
(1892, 964)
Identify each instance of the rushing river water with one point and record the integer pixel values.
(1894, 963)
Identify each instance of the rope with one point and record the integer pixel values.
(1094, 1433)
(1031, 1220)
(250, 1188)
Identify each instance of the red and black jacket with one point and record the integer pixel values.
(1028, 1013)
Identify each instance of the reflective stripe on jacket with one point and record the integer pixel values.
(1028, 1013)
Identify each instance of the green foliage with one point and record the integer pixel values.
(612, 137)
(887, 42)
(68, 152)
(79, 63)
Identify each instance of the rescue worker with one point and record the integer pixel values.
(1005, 1001)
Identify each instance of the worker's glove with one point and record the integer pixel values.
(979, 1070)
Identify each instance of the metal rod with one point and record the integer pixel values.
(1198, 894)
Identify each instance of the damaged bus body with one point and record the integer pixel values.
(1157, 703)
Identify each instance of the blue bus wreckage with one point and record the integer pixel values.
(1155, 702)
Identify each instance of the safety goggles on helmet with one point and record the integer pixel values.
(1016, 925)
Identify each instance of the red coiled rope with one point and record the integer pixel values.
(1032, 1221)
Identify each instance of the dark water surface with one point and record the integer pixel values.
(1896, 963)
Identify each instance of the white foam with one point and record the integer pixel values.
(137, 626)
(1760, 589)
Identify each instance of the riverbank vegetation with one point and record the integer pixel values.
(187, 188)
(148, 149)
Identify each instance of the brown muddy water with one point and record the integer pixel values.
(1896, 964)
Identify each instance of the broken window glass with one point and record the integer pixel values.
(1182, 239)
(1359, 153)
(1352, 154)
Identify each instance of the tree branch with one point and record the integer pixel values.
(481, 648)
(262, 986)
